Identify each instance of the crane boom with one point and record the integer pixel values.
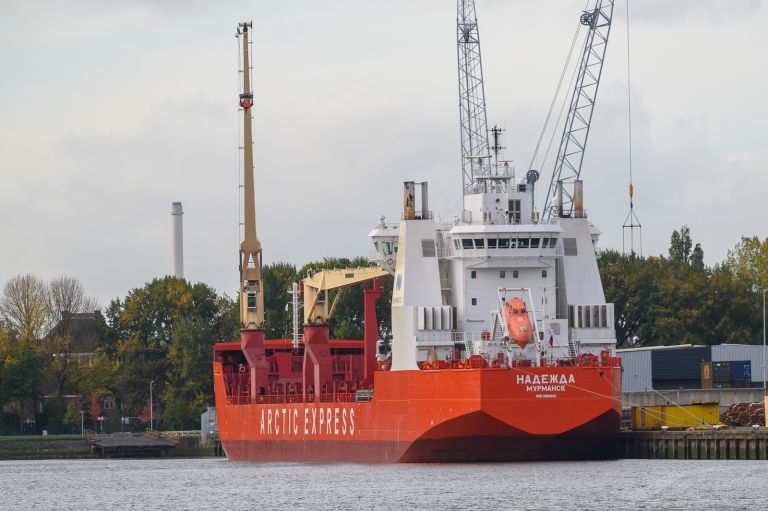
(570, 154)
(475, 154)
(251, 283)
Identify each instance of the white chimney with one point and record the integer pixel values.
(178, 240)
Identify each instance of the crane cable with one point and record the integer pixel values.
(629, 114)
(554, 99)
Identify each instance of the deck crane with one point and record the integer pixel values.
(251, 282)
(570, 154)
(473, 121)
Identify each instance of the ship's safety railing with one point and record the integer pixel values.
(238, 390)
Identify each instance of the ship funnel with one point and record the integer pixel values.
(578, 198)
(559, 192)
(409, 200)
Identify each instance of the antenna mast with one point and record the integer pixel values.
(251, 284)
(570, 154)
(473, 121)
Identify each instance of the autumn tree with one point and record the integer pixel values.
(749, 261)
(24, 304)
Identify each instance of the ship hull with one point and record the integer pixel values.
(471, 415)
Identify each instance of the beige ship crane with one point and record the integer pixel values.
(251, 282)
(317, 309)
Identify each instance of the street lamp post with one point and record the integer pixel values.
(151, 407)
(765, 368)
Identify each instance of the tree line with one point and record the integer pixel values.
(677, 299)
(163, 332)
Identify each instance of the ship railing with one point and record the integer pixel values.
(364, 395)
(339, 397)
(418, 215)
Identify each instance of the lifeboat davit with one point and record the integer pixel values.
(518, 322)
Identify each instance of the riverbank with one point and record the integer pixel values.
(45, 447)
(76, 447)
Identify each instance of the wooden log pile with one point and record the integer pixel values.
(744, 414)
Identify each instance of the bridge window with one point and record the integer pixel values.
(514, 274)
(473, 274)
(535, 242)
(480, 243)
(492, 242)
(523, 242)
(467, 243)
(502, 274)
(503, 242)
(474, 301)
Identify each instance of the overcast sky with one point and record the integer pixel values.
(109, 111)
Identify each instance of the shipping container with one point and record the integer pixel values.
(741, 370)
(751, 352)
(697, 416)
(682, 363)
(721, 372)
(706, 375)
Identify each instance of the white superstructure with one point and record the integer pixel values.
(447, 278)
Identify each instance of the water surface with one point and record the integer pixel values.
(221, 485)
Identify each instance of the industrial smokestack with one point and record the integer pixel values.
(178, 240)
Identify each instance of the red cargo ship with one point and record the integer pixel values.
(470, 376)
(458, 411)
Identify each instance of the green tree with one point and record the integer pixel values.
(278, 278)
(749, 261)
(189, 385)
(144, 345)
(680, 245)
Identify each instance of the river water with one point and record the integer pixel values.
(221, 485)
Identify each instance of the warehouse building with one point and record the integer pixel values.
(691, 367)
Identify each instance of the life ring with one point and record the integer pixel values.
(486, 335)
(241, 368)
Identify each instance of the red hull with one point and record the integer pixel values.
(548, 413)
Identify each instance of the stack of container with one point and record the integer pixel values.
(733, 374)
(741, 373)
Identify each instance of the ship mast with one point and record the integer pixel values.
(251, 284)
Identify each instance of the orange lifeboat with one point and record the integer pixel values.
(518, 322)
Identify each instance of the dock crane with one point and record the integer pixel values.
(473, 121)
(318, 311)
(251, 281)
(570, 154)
